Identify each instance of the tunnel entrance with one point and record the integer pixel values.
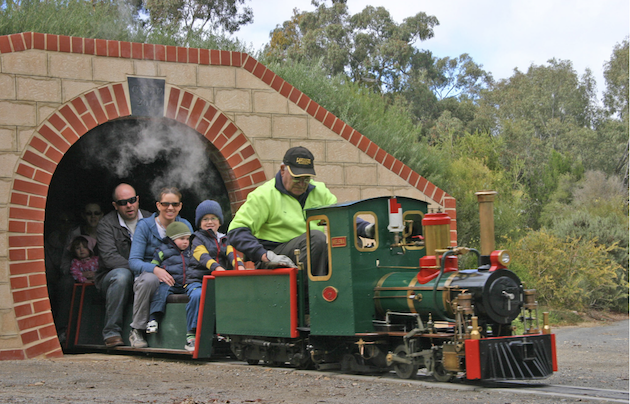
(147, 153)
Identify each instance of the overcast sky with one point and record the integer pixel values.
(499, 34)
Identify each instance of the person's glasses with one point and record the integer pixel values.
(123, 202)
(97, 213)
(173, 204)
(302, 180)
(208, 219)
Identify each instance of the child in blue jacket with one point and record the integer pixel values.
(174, 256)
(210, 252)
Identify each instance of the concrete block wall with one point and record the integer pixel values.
(54, 89)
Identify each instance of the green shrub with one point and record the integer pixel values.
(570, 273)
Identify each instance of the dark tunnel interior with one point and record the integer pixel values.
(146, 153)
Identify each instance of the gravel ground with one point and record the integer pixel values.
(588, 356)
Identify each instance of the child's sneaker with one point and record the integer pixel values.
(152, 327)
(190, 343)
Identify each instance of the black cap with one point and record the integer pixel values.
(299, 160)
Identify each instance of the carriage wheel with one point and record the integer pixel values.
(404, 370)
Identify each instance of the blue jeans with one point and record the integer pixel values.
(158, 300)
(116, 288)
(192, 308)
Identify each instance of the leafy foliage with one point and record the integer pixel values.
(570, 273)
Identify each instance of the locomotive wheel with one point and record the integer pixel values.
(253, 361)
(442, 375)
(404, 370)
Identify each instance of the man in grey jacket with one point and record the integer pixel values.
(114, 279)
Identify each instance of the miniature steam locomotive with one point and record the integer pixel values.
(397, 301)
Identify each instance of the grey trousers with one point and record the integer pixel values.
(319, 251)
(144, 287)
(116, 288)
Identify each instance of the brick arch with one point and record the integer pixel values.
(234, 157)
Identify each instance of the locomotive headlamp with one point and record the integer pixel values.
(499, 259)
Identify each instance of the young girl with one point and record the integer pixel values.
(85, 263)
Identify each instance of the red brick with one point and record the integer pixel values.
(414, 178)
(230, 130)
(51, 42)
(57, 353)
(38, 144)
(248, 152)
(216, 127)
(40, 306)
(182, 115)
(25, 170)
(25, 241)
(215, 57)
(245, 182)
(186, 100)
(112, 112)
(121, 100)
(450, 203)
(57, 122)
(106, 94)
(225, 58)
(219, 141)
(47, 332)
(259, 177)
(37, 279)
(89, 122)
(5, 44)
(95, 105)
(19, 199)
(236, 59)
(312, 108)
(422, 184)
(193, 55)
(44, 348)
(429, 190)
(202, 127)
(79, 105)
(268, 77)
(54, 155)
(338, 126)
(39, 161)
(16, 226)
(73, 120)
(398, 165)
(54, 138)
(259, 70)
(330, 120)
(363, 144)
(204, 56)
(389, 161)
(171, 54)
(286, 89)
(182, 55)
(12, 354)
(149, 51)
(39, 41)
(136, 50)
(35, 227)
(277, 83)
(173, 101)
(18, 42)
(23, 310)
(43, 177)
(247, 168)
(70, 135)
(19, 282)
(89, 46)
(31, 294)
(195, 114)
(372, 149)
(235, 160)
(77, 45)
(64, 43)
(295, 95)
(160, 52)
(29, 337)
(439, 194)
(210, 113)
(347, 132)
(30, 187)
(355, 138)
(101, 47)
(28, 40)
(125, 50)
(250, 64)
(112, 48)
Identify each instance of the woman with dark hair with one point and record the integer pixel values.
(148, 237)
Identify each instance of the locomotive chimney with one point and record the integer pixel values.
(486, 220)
